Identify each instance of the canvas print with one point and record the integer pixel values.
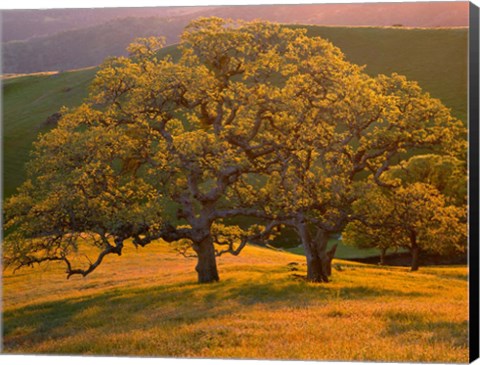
(239, 182)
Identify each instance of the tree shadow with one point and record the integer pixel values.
(126, 309)
(400, 322)
(361, 291)
(32, 324)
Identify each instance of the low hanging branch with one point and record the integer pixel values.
(30, 260)
(229, 236)
(232, 239)
(117, 249)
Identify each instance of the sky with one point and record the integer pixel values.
(36, 4)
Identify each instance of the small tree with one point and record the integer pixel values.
(444, 174)
(447, 174)
(415, 217)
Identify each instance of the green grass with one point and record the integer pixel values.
(437, 58)
(147, 303)
(343, 251)
(27, 102)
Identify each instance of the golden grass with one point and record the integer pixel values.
(147, 303)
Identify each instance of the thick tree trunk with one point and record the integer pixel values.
(315, 271)
(320, 242)
(383, 253)
(315, 253)
(207, 264)
(415, 255)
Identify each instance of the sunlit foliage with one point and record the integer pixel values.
(253, 120)
(416, 216)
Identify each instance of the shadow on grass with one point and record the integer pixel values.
(455, 333)
(123, 310)
(114, 309)
(357, 292)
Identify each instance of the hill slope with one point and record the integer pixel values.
(65, 39)
(86, 46)
(147, 303)
(436, 58)
(25, 24)
(27, 103)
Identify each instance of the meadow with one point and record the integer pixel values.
(147, 303)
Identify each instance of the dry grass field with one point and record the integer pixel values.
(147, 303)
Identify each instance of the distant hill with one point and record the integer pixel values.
(421, 14)
(45, 40)
(86, 46)
(437, 58)
(25, 24)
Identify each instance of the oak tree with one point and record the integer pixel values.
(415, 217)
(252, 120)
(348, 127)
(183, 133)
(443, 178)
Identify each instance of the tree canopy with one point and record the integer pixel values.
(423, 209)
(415, 217)
(254, 119)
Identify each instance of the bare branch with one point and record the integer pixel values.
(117, 249)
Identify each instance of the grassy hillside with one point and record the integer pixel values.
(86, 46)
(24, 24)
(437, 58)
(147, 302)
(27, 102)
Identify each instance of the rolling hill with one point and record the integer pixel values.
(26, 24)
(27, 103)
(63, 39)
(86, 46)
(147, 303)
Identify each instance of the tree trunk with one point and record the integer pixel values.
(415, 250)
(320, 242)
(207, 264)
(383, 253)
(415, 254)
(316, 272)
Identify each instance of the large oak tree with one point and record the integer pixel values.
(346, 128)
(188, 130)
(253, 119)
